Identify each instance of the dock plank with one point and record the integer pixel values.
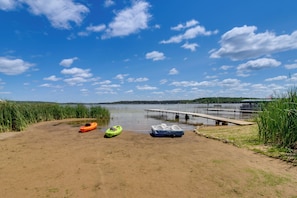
(216, 118)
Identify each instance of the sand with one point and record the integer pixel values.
(51, 159)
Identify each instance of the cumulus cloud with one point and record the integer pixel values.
(155, 56)
(243, 43)
(91, 28)
(173, 71)
(60, 13)
(226, 67)
(76, 80)
(121, 76)
(77, 76)
(291, 66)
(77, 72)
(137, 79)
(163, 81)
(188, 24)
(185, 83)
(13, 66)
(52, 78)
(229, 82)
(130, 20)
(192, 30)
(190, 46)
(277, 78)
(96, 28)
(8, 4)
(146, 87)
(108, 3)
(68, 61)
(258, 64)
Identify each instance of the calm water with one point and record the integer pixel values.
(134, 117)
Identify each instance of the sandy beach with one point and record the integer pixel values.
(51, 159)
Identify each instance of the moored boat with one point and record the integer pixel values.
(164, 130)
(113, 131)
(88, 127)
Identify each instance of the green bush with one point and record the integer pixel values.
(277, 123)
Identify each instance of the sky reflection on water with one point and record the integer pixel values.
(133, 117)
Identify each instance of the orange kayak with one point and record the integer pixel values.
(88, 127)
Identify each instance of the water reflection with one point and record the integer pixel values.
(134, 117)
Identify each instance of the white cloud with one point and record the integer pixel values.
(175, 91)
(188, 24)
(76, 80)
(90, 29)
(108, 3)
(155, 56)
(230, 82)
(146, 87)
(50, 86)
(137, 79)
(97, 28)
(258, 64)
(105, 82)
(291, 66)
(163, 81)
(173, 71)
(52, 78)
(60, 13)
(129, 91)
(5, 93)
(45, 85)
(108, 89)
(84, 90)
(130, 20)
(192, 32)
(77, 72)
(277, 78)
(190, 46)
(68, 62)
(185, 83)
(211, 77)
(8, 4)
(110, 86)
(226, 67)
(121, 76)
(243, 43)
(13, 66)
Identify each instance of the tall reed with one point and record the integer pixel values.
(277, 123)
(16, 116)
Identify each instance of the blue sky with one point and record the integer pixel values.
(108, 50)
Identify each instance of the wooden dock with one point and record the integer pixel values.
(223, 121)
(233, 110)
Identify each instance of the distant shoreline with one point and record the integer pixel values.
(208, 100)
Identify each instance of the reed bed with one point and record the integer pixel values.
(277, 123)
(17, 116)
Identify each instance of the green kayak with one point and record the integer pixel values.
(113, 131)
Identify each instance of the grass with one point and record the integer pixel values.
(278, 121)
(17, 116)
(247, 137)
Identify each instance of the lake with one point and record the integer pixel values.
(133, 117)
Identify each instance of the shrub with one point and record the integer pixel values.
(277, 123)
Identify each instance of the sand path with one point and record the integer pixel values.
(51, 159)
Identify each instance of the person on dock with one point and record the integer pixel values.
(176, 117)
